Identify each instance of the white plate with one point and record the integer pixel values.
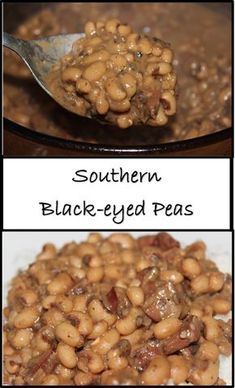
(20, 249)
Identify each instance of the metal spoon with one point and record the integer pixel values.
(39, 55)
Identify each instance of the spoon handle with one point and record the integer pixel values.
(13, 43)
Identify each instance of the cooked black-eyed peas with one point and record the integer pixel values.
(143, 312)
(119, 75)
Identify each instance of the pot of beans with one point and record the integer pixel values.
(152, 84)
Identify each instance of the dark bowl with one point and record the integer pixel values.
(19, 140)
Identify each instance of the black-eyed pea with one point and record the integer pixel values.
(142, 264)
(196, 311)
(21, 338)
(179, 369)
(101, 55)
(211, 328)
(80, 302)
(120, 106)
(95, 274)
(111, 25)
(169, 81)
(98, 313)
(115, 360)
(77, 273)
(12, 364)
(94, 72)
(60, 284)
(129, 57)
(220, 305)
(26, 318)
(148, 81)
(11, 318)
(196, 250)
(83, 86)
(75, 261)
(53, 317)
(90, 28)
(118, 61)
(94, 238)
(112, 271)
(166, 327)
(89, 359)
(94, 41)
(71, 74)
(68, 334)
(39, 343)
(127, 256)
(124, 121)
(205, 376)
(115, 89)
(128, 325)
(117, 48)
(95, 261)
(65, 373)
(171, 276)
(48, 252)
(130, 84)
(100, 24)
(131, 42)
(208, 351)
(216, 281)
(135, 295)
(102, 104)
(93, 95)
(8, 350)
(190, 268)
(164, 68)
(67, 356)
(145, 46)
(64, 303)
(167, 55)
(135, 283)
(135, 337)
(26, 355)
(83, 378)
(99, 328)
(86, 249)
(121, 283)
(156, 50)
(152, 59)
(124, 29)
(85, 325)
(42, 276)
(168, 103)
(200, 284)
(158, 371)
(28, 297)
(81, 105)
(152, 68)
(104, 343)
(51, 380)
(160, 119)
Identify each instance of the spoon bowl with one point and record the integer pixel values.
(39, 55)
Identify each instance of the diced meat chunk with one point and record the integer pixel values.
(117, 302)
(189, 333)
(163, 303)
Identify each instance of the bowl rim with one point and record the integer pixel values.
(74, 145)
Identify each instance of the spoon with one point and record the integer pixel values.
(40, 54)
